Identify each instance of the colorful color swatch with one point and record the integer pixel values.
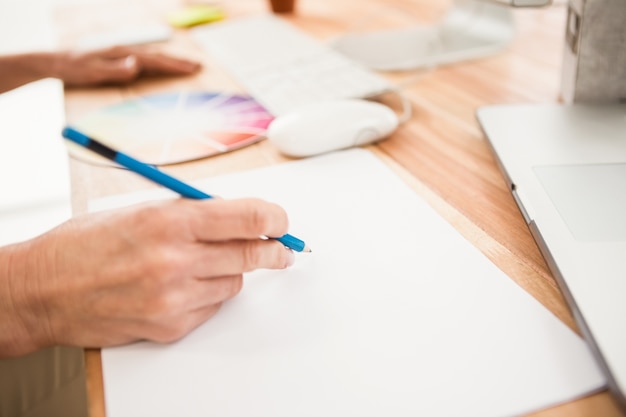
(176, 127)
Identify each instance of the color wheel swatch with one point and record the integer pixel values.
(176, 127)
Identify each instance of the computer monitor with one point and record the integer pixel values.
(524, 3)
(470, 29)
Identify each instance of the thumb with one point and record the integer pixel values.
(119, 69)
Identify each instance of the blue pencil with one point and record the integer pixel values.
(159, 177)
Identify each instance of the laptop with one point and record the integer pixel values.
(566, 168)
(35, 192)
(34, 167)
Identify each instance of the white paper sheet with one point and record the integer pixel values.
(393, 314)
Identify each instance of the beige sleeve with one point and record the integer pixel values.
(50, 382)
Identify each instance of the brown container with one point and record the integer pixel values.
(282, 6)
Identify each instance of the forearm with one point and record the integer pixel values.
(20, 69)
(23, 329)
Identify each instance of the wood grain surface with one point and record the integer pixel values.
(440, 152)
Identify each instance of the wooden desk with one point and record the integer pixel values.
(441, 152)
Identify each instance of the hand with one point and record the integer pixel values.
(153, 271)
(116, 65)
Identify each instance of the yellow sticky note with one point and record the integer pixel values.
(195, 14)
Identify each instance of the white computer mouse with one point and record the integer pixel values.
(331, 125)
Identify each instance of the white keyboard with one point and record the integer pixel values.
(282, 67)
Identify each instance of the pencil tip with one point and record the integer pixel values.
(307, 249)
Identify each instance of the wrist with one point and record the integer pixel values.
(53, 64)
(39, 65)
(45, 64)
(24, 325)
(20, 69)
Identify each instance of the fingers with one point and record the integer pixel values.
(228, 236)
(120, 70)
(121, 65)
(190, 307)
(129, 68)
(236, 257)
(160, 64)
(180, 326)
(218, 220)
(206, 292)
(190, 294)
(152, 63)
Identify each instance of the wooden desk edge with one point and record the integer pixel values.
(95, 382)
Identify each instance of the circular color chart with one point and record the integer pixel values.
(171, 128)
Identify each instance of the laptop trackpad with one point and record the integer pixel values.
(591, 199)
